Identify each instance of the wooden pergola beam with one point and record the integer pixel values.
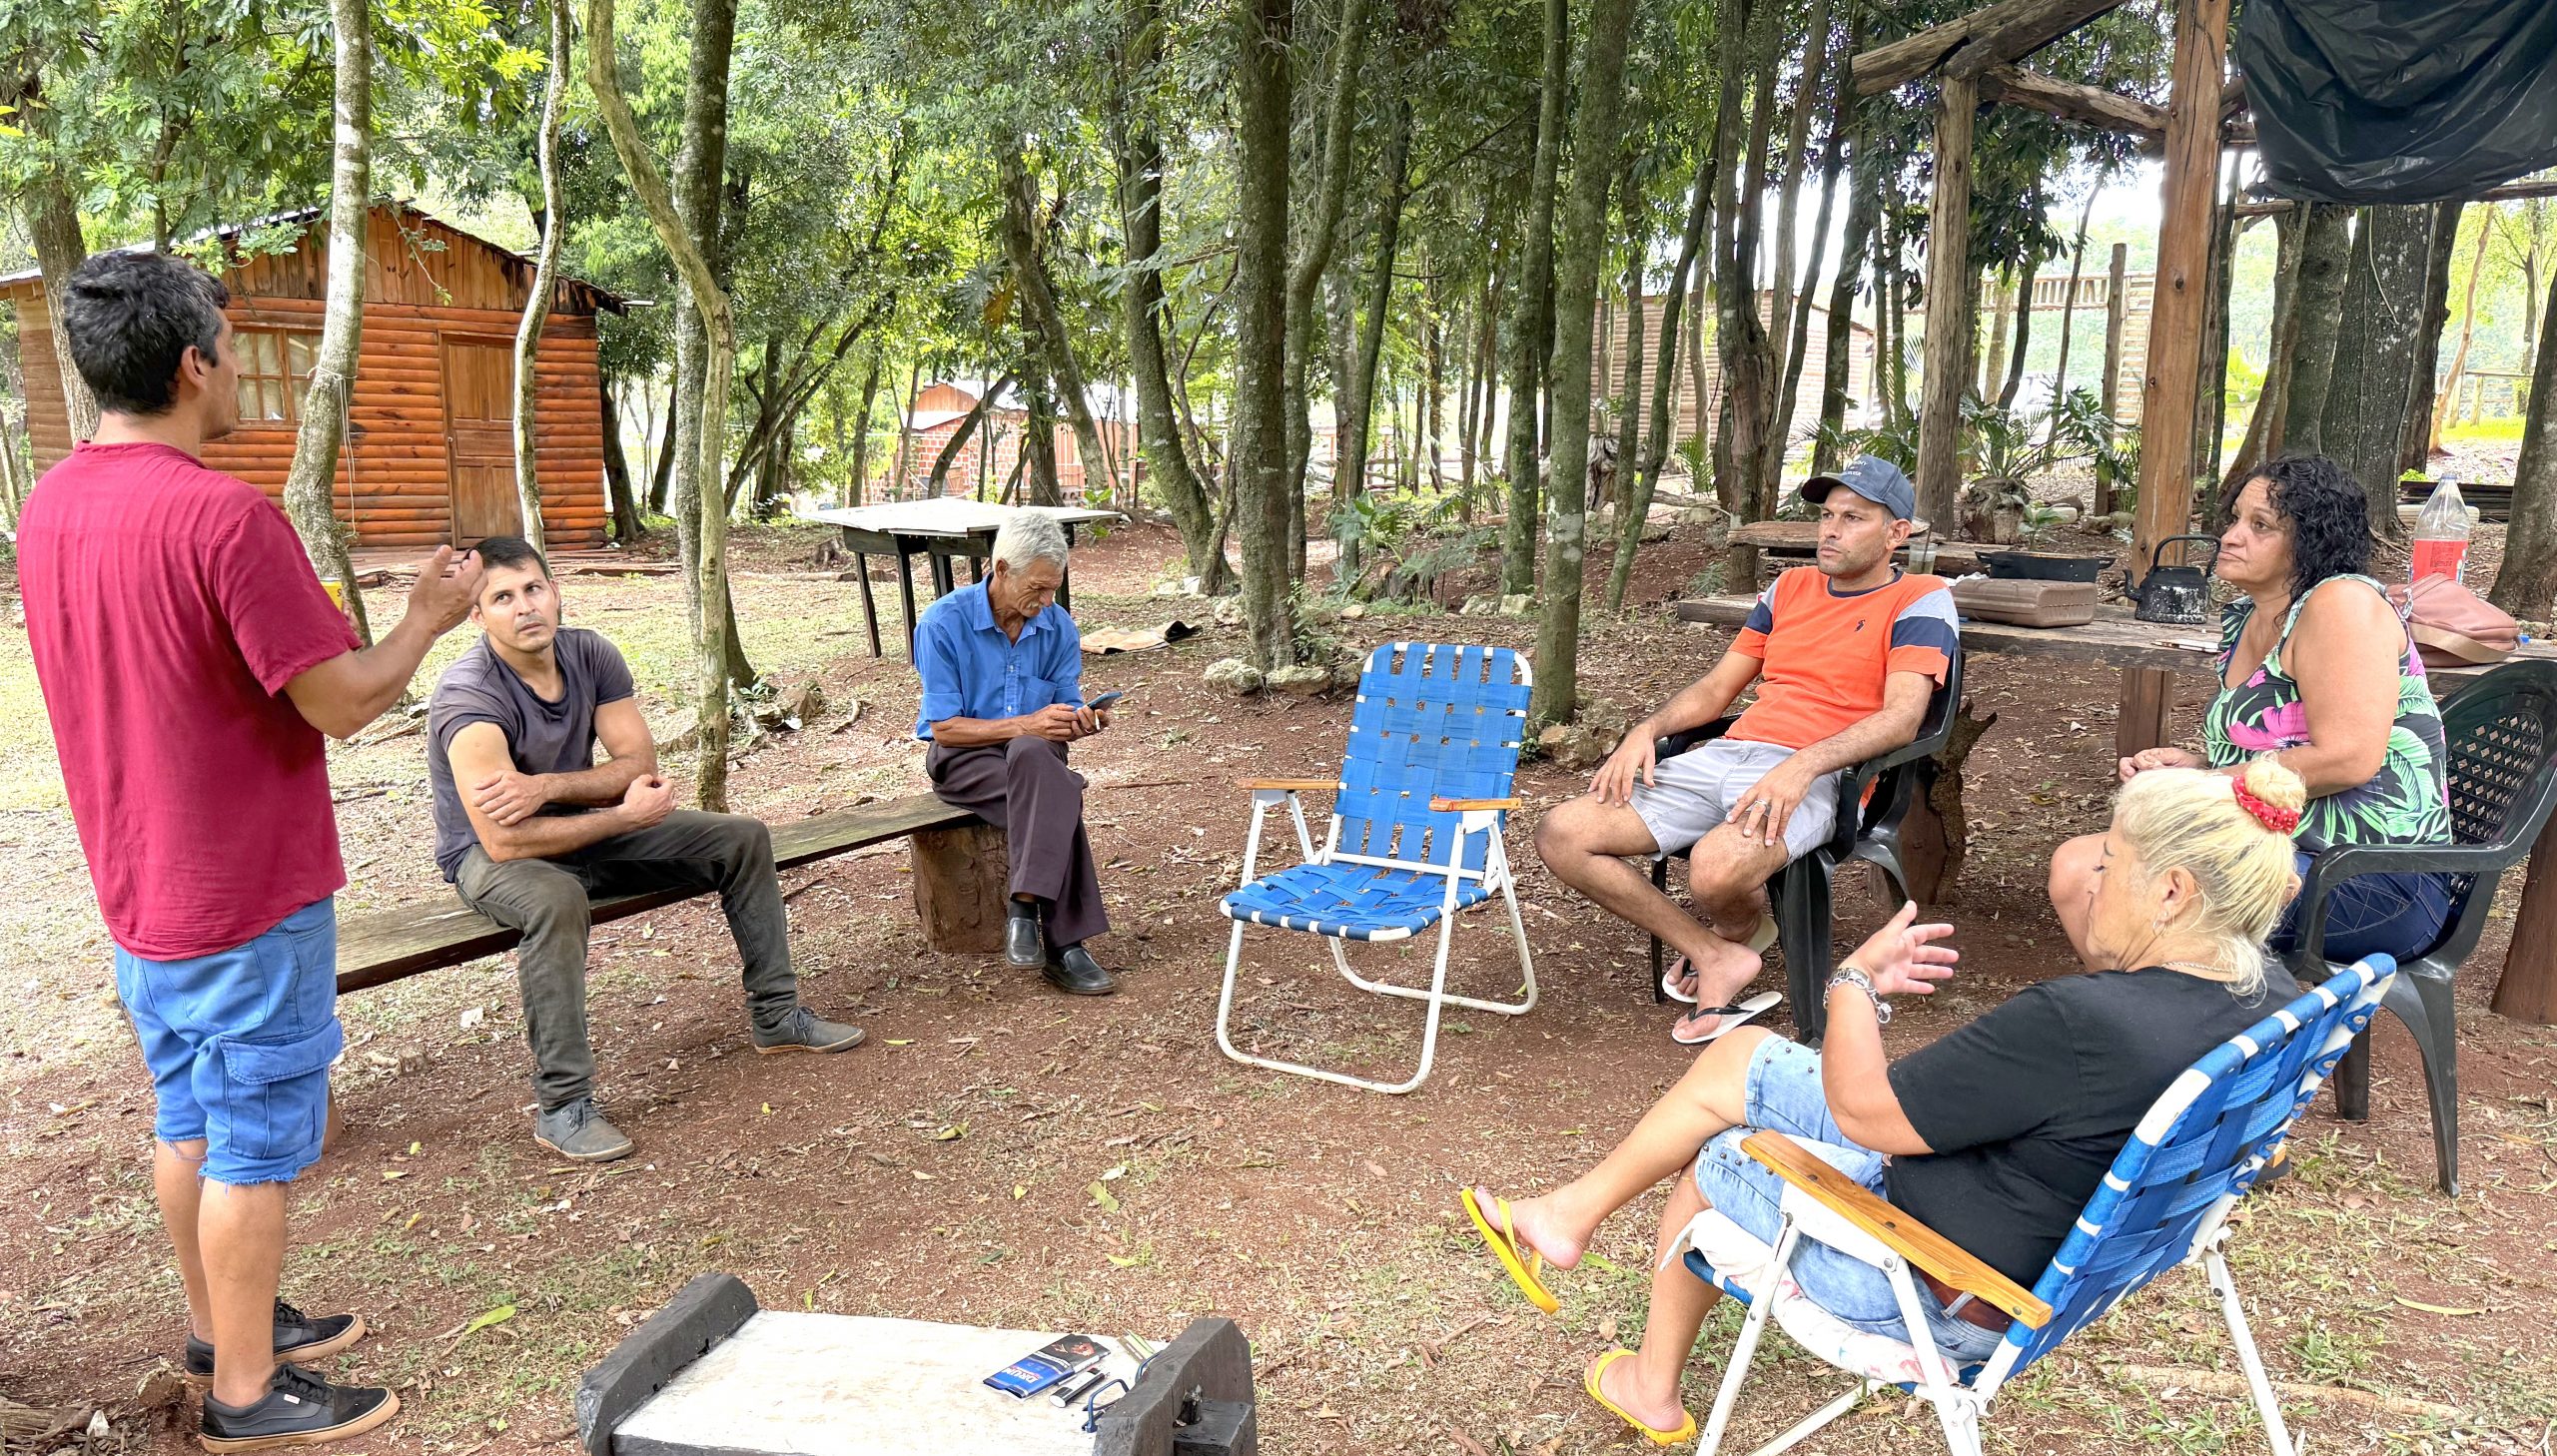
(2070, 101)
(2509, 192)
(1966, 47)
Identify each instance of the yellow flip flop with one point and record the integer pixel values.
(1503, 1243)
(1686, 1430)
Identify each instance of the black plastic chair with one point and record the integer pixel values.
(2502, 734)
(1868, 829)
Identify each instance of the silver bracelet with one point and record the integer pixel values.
(1854, 976)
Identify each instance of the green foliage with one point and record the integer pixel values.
(2010, 445)
(1408, 541)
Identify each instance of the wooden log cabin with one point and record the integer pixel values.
(430, 454)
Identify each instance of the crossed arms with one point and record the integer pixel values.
(504, 804)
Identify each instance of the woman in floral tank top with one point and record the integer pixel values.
(2317, 669)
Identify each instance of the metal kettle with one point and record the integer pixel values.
(2178, 595)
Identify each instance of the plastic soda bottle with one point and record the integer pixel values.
(2441, 535)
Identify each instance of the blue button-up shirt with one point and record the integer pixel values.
(970, 669)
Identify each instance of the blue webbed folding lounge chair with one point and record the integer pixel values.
(1415, 831)
(2164, 1204)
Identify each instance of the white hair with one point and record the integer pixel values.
(1026, 538)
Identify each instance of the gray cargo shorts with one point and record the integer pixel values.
(1695, 791)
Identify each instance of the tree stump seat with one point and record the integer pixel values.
(960, 872)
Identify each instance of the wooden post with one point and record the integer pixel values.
(2175, 329)
(1948, 305)
(2176, 309)
(2528, 989)
(960, 876)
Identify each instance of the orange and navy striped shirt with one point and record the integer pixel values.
(1824, 655)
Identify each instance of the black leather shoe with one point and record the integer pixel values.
(299, 1336)
(300, 1409)
(1022, 945)
(1074, 971)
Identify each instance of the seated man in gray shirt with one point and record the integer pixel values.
(528, 828)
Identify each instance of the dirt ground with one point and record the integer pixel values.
(999, 1154)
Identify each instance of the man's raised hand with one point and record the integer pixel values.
(1631, 763)
(447, 586)
(647, 801)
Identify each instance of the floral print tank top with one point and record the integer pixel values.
(2406, 802)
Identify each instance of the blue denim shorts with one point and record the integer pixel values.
(2393, 914)
(1784, 1096)
(238, 1044)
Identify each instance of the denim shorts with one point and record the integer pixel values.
(1784, 1096)
(2391, 915)
(238, 1044)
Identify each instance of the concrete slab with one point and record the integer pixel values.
(857, 1385)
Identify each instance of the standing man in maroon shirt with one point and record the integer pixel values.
(191, 663)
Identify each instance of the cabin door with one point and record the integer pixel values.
(479, 432)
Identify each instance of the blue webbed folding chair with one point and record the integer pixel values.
(2164, 1204)
(1415, 833)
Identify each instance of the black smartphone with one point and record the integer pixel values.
(1106, 699)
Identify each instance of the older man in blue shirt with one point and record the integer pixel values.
(1002, 669)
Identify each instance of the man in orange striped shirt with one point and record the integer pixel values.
(1845, 655)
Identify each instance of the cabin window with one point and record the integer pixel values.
(275, 366)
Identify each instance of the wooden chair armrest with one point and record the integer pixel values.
(1901, 1234)
(1458, 806)
(1292, 785)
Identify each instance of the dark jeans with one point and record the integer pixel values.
(2391, 915)
(547, 900)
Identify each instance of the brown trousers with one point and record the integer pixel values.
(1025, 789)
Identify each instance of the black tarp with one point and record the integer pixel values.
(2400, 101)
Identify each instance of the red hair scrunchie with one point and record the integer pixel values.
(2270, 816)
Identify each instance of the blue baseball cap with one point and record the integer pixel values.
(1873, 478)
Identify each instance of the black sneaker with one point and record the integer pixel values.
(1022, 944)
(299, 1336)
(300, 1409)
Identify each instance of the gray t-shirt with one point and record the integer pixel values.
(543, 737)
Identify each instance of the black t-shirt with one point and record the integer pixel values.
(2028, 1106)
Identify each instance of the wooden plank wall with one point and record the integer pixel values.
(423, 281)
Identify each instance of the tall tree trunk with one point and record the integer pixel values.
(899, 482)
(2001, 323)
(2385, 312)
(661, 474)
(1330, 195)
(856, 488)
(1530, 297)
(1753, 386)
(1949, 309)
(2415, 440)
(1043, 323)
(1798, 347)
(626, 526)
(2449, 398)
(1040, 439)
(545, 275)
(1664, 386)
(1780, 293)
(1594, 135)
(2263, 439)
(2210, 401)
(1139, 148)
(1433, 377)
(2325, 258)
(2526, 585)
(52, 221)
(1864, 207)
(957, 445)
(310, 486)
(1629, 407)
(711, 305)
(1740, 340)
(1358, 411)
(1262, 470)
(1895, 274)
(2026, 276)
(2069, 311)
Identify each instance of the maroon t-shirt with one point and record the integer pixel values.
(166, 607)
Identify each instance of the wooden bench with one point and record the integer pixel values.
(1800, 538)
(958, 878)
